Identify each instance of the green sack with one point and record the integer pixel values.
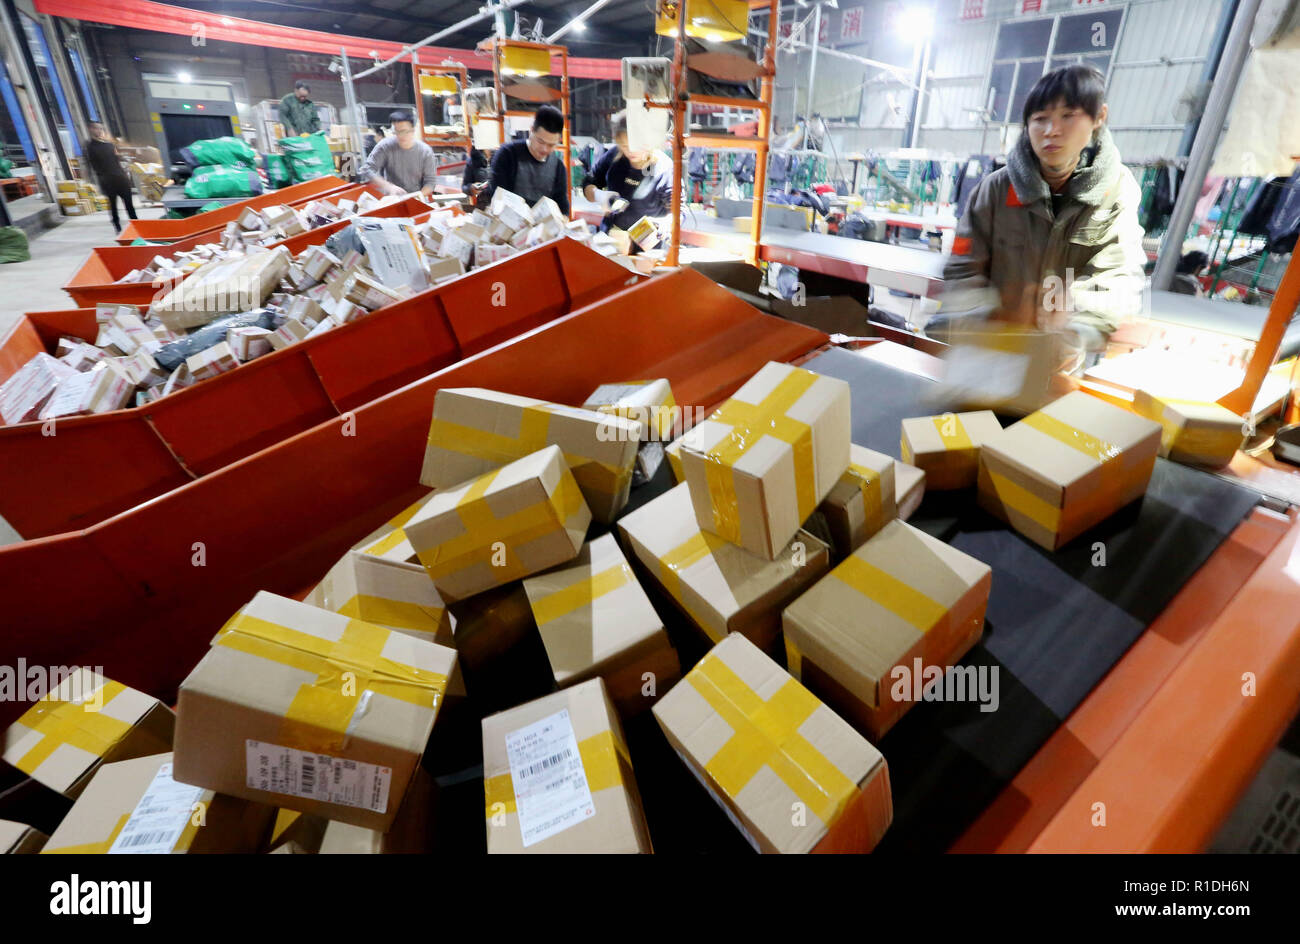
(174, 215)
(214, 205)
(308, 156)
(6, 166)
(277, 171)
(232, 152)
(220, 181)
(13, 245)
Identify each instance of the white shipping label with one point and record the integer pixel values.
(159, 818)
(551, 791)
(314, 776)
(985, 374)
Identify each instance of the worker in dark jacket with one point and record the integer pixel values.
(642, 178)
(532, 168)
(476, 172)
(1053, 239)
(298, 112)
(101, 155)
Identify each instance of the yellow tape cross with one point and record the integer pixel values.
(893, 594)
(64, 722)
(483, 528)
(671, 564)
(320, 713)
(580, 594)
(600, 763)
(750, 422)
(395, 614)
(766, 734)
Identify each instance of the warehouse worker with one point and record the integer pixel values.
(476, 172)
(298, 112)
(643, 178)
(101, 155)
(402, 163)
(1053, 239)
(532, 168)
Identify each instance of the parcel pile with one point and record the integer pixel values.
(520, 596)
(225, 304)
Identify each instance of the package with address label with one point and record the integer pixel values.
(393, 253)
(137, 807)
(310, 710)
(557, 778)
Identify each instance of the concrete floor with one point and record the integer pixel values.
(37, 285)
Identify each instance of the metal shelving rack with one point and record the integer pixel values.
(682, 136)
(496, 47)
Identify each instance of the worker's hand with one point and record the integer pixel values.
(426, 192)
(589, 192)
(478, 188)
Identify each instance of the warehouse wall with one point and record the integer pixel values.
(1144, 91)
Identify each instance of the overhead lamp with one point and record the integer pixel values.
(914, 21)
(579, 26)
(715, 20)
(440, 85)
(183, 76)
(522, 60)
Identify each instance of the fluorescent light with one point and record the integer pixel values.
(580, 26)
(915, 21)
(183, 76)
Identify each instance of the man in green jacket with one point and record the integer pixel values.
(298, 112)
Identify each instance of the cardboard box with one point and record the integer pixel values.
(248, 342)
(1067, 467)
(673, 451)
(511, 209)
(20, 839)
(488, 253)
(862, 502)
(763, 746)
(440, 269)
(291, 332)
(475, 430)
(648, 402)
(397, 596)
(1001, 367)
(909, 488)
(947, 447)
(1193, 432)
(595, 620)
(222, 287)
(215, 360)
(310, 710)
(901, 597)
(720, 586)
(87, 720)
(509, 523)
(24, 394)
(557, 778)
(454, 246)
(136, 806)
(393, 252)
(361, 289)
(760, 465)
(388, 542)
(412, 832)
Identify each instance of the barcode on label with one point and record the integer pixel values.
(144, 839)
(308, 782)
(548, 762)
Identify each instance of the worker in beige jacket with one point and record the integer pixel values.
(1053, 239)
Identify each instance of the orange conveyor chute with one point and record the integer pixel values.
(126, 592)
(98, 466)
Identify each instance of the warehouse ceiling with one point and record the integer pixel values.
(621, 28)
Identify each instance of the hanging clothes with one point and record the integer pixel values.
(968, 178)
(1163, 194)
(1284, 225)
(1254, 222)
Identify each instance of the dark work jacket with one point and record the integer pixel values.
(103, 160)
(649, 192)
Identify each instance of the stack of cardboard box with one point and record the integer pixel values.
(79, 198)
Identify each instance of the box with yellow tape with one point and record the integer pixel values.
(474, 431)
(310, 710)
(594, 619)
(647, 402)
(395, 595)
(947, 447)
(557, 777)
(501, 526)
(387, 542)
(909, 488)
(1193, 432)
(763, 462)
(900, 597)
(85, 721)
(673, 451)
(136, 806)
(722, 588)
(412, 832)
(20, 839)
(791, 774)
(862, 502)
(1067, 467)
(499, 648)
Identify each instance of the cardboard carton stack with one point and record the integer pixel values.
(149, 180)
(79, 198)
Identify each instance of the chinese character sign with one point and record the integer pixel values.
(972, 9)
(851, 25)
(1030, 6)
(824, 33)
(1089, 3)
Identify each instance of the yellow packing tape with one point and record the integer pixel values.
(750, 423)
(396, 614)
(483, 528)
(63, 722)
(95, 848)
(895, 595)
(670, 565)
(1076, 439)
(580, 594)
(872, 500)
(766, 734)
(601, 758)
(952, 433)
(396, 537)
(346, 670)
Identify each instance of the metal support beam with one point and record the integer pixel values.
(812, 66)
(580, 18)
(482, 14)
(350, 103)
(1207, 140)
